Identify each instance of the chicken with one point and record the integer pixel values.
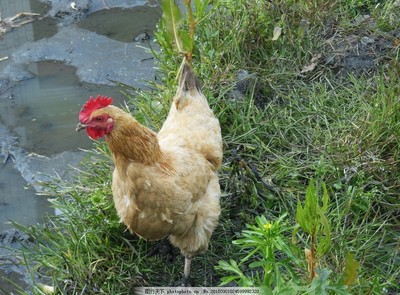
(165, 184)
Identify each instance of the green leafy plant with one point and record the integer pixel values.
(350, 270)
(267, 255)
(178, 34)
(272, 262)
(180, 39)
(313, 220)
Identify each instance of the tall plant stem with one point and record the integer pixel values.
(312, 257)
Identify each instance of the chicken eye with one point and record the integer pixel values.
(99, 119)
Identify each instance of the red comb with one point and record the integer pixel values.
(93, 104)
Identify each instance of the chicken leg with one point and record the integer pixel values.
(186, 272)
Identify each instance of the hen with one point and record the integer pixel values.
(165, 184)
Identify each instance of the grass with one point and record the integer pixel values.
(281, 129)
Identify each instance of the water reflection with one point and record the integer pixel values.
(18, 201)
(123, 24)
(43, 111)
(37, 30)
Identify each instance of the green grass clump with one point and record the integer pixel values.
(288, 115)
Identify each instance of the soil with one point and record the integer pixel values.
(361, 49)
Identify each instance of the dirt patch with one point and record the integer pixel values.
(360, 48)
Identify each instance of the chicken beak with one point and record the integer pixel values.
(80, 126)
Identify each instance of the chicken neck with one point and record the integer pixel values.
(132, 141)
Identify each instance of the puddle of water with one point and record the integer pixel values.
(123, 24)
(43, 111)
(17, 201)
(37, 30)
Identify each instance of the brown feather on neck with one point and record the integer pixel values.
(140, 146)
(131, 140)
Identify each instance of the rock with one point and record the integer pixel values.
(367, 40)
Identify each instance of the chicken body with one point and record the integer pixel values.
(166, 184)
(174, 190)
